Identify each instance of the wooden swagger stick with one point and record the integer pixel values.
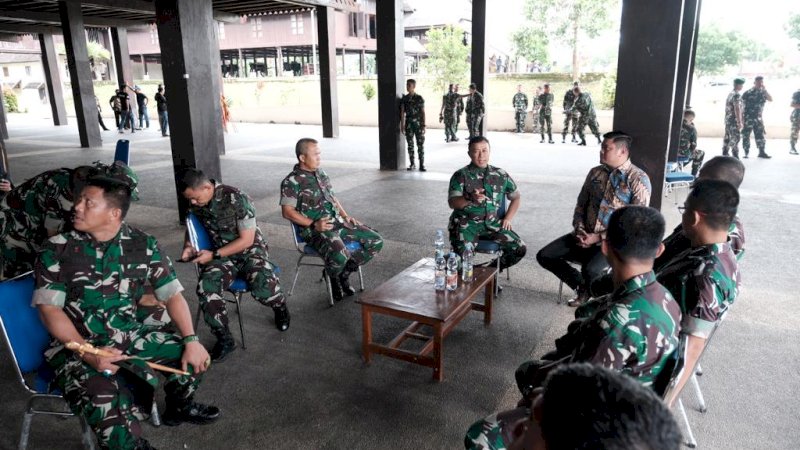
(89, 348)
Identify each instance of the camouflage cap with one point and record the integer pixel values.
(738, 81)
(119, 173)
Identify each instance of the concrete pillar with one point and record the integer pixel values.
(144, 67)
(362, 62)
(52, 76)
(190, 58)
(112, 68)
(391, 82)
(694, 52)
(279, 65)
(79, 73)
(650, 35)
(326, 33)
(239, 63)
(5, 171)
(479, 70)
(3, 118)
(122, 58)
(685, 58)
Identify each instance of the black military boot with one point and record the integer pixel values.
(542, 141)
(563, 138)
(573, 138)
(344, 277)
(282, 317)
(142, 444)
(412, 165)
(582, 142)
(336, 288)
(598, 138)
(550, 138)
(422, 164)
(225, 344)
(793, 151)
(180, 411)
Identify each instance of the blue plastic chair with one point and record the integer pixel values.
(27, 339)
(200, 240)
(676, 179)
(306, 251)
(123, 152)
(492, 248)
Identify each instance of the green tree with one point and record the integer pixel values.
(447, 56)
(531, 43)
(716, 50)
(793, 28)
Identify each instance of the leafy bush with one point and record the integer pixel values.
(10, 101)
(369, 90)
(609, 91)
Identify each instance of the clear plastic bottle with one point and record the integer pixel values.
(438, 243)
(466, 263)
(439, 274)
(452, 272)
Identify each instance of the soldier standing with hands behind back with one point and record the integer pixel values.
(520, 104)
(412, 123)
(734, 121)
(570, 114)
(795, 119)
(545, 113)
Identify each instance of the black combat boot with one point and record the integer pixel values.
(336, 288)
(550, 138)
(582, 142)
(573, 138)
(422, 164)
(598, 138)
(180, 411)
(563, 138)
(793, 151)
(225, 344)
(542, 141)
(344, 277)
(412, 165)
(282, 317)
(142, 444)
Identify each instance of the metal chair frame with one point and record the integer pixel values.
(306, 251)
(675, 369)
(685, 180)
(193, 228)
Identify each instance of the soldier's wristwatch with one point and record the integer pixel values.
(217, 255)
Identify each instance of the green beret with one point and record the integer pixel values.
(738, 81)
(118, 173)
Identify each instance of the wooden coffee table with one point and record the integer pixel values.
(410, 295)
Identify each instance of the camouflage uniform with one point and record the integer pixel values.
(687, 146)
(480, 221)
(459, 111)
(732, 132)
(570, 115)
(229, 211)
(535, 115)
(414, 110)
(705, 280)
(634, 330)
(795, 120)
(753, 100)
(312, 195)
(450, 102)
(32, 211)
(546, 115)
(98, 285)
(520, 104)
(475, 110)
(585, 106)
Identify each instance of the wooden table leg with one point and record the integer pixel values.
(438, 338)
(487, 301)
(366, 318)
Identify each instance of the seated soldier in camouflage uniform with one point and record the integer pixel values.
(240, 250)
(309, 201)
(632, 331)
(581, 406)
(32, 212)
(687, 145)
(476, 193)
(87, 285)
(704, 278)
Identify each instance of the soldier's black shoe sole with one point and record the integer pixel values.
(198, 414)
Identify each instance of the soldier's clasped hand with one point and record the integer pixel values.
(478, 197)
(105, 364)
(203, 257)
(323, 224)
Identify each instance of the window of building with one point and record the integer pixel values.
(297, 24)
(256, 28)
(28, 70)
(221, 27)
(371, 28)
(353, 24)
(5, 71)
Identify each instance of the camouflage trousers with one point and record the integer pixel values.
(497, 431)
(511, 244)
(475, 124)
(546, 125)
(519, 117)
(795, 119)
(154, 317)
(450, 127)
(591, 121)
(17, 253)
(218, 275)
(107, 403)
(414, 131)
(570, 117)
(331, 246)
(535, 120)
(696, 156)
(730, 142)
(753, 125)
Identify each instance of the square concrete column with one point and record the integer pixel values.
(190, 61)
(326, 32)
(3, 118)
(479, 71)
(52, 76)
(693, 59)
(390, 59)
(80, 74)
(691, 15)
(122, 58)
(650, 35)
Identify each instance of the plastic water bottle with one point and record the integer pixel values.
(466, 263)
(452, 272)
(439, 274)
(438, 242)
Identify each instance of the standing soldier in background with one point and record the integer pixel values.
(412, 123)
(459, 109)
(687, 145)
(585, 106)
(535, 110)
(795, 119)
(570, 115)
(520, 104)
(734, 121)
(546, 113)
(448, 114)
(753, 100)
(475, 111)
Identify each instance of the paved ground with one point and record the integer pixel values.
(307, 388)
